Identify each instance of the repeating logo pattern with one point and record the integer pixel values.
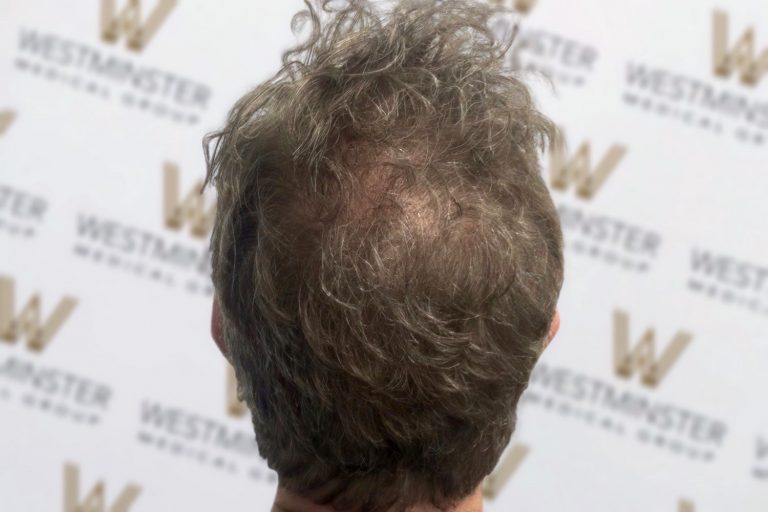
(6, 119)
(642, 357)
(661, 358)
(741, 58)
(128, 22)
(522, 6)
(191, 209)
(95, 500)
(28, 322)
(578, 170)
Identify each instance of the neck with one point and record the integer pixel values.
(286, 501)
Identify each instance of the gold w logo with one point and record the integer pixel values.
(643, 356)
(128, 22)
(191, 209)
(235, 406)
(578, 169)
(28, 321)
(741, 57)
(496, 481)
(95, 501)
(6, 119)
(522, 6)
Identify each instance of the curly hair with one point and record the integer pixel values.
(386, 255)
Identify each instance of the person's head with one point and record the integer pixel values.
(386, 256)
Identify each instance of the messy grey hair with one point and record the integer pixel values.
(386, 255)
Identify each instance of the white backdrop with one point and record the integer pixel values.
(130, 391)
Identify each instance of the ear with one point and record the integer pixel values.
(553, 328)
(216, 332)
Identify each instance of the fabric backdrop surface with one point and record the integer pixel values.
(652, 396)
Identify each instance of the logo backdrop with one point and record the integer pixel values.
(112, 395)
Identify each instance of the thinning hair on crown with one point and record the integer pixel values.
(386, 256)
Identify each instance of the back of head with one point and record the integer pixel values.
(387, 258)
